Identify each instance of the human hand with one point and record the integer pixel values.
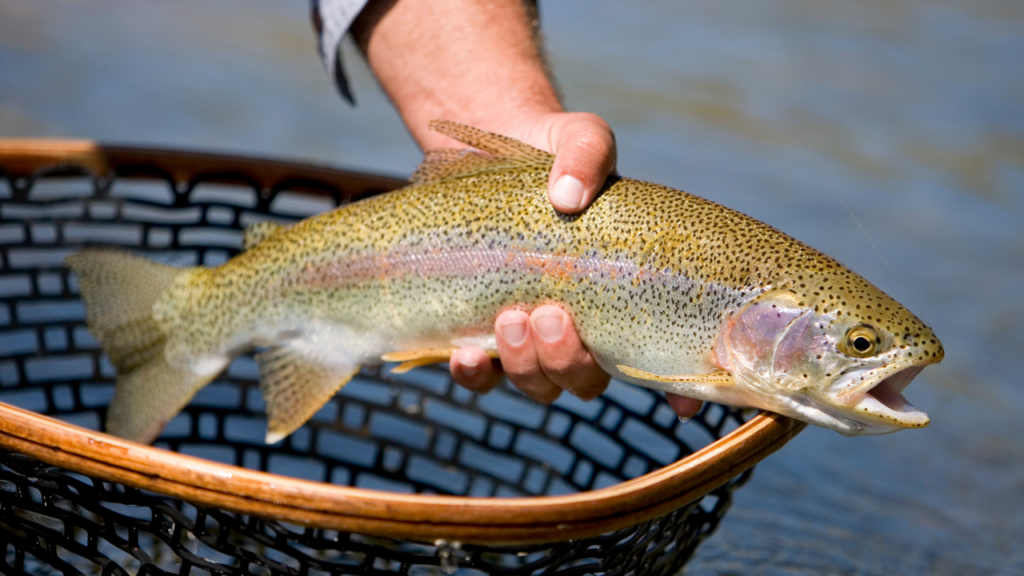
(541, 354)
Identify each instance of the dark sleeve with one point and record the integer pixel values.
(331, 20)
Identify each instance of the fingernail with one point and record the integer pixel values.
(548, 327)
(568, 192)
(470, 368)
(514, 332)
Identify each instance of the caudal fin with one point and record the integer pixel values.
(120, 290)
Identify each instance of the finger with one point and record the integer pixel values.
(585, 154)
(562, 356)
(472, 368)
(519, 359)
(683, 407)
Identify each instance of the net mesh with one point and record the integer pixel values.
(413, 433)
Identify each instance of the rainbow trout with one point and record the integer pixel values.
(667, 290)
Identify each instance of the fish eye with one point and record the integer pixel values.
(860, 342)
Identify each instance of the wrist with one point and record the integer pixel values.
(474, 62)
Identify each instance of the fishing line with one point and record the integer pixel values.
(766, 91)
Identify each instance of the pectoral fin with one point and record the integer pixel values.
(716, 378)
(295, 384)
(423, 357)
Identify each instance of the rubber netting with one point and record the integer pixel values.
(415, 432)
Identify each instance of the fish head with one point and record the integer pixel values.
(832, 350)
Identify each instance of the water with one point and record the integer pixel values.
(910, 112)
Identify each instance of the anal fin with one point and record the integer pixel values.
(295, 384)
(716, 378)
(423, 357)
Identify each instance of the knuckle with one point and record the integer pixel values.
(590, 142)
(546, 396)
(585, 393)
(472, 385)
(561, 367)
(536, 387)
(589, 385)
(522, 375)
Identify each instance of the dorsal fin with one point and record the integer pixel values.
(258, 232)
(492, 152)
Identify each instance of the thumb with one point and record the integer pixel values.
(584, 148)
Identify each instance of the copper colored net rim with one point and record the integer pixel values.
(321, 505)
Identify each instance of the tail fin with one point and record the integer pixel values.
(119, 292)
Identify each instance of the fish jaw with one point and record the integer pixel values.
(879, 406)
(874, 406)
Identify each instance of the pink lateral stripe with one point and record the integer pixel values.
(465, 262)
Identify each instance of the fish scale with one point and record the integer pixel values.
(666, 289)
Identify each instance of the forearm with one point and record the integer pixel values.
(478, 62)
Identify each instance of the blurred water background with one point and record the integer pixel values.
(909, 112)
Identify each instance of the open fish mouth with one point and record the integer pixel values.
(884, 403)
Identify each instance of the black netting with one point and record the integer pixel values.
(415, 432)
